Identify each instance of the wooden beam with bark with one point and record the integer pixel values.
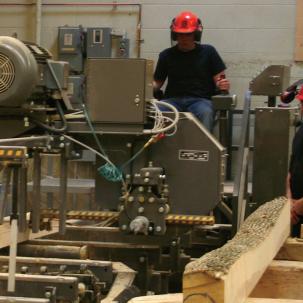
(230, 273)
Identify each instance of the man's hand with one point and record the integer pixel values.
(296, 210)
(223, 85)
(221, 82)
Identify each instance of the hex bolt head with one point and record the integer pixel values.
(81, 288)
(62, 268)
(151, 199)
(130, 199)
(141, 199)
(83, 268)
(158, 229)
(124, 227)
(43, 269)
(24, 269)
(161, 210)
(48, 295)
(140, 210)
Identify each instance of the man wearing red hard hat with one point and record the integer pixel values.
(194, 71)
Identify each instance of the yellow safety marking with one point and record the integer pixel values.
(18, 153)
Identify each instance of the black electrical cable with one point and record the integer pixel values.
(49, 128)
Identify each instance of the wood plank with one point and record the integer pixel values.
(292, 250)
(125, 277)
(178, 298)
(24, 236)
(281, 280)
(230, 273)
(22, 300)
(262, 300)
(170, 298)
(299, 32)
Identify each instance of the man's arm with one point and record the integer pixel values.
(157, 92)
(288, 191)
(296, 204)
(157, 84)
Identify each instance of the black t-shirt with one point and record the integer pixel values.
(190, 74)
(296, 165)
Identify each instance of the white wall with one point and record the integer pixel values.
(249, 34)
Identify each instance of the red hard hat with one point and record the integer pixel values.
(186, 22)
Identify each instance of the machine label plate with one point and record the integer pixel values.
(193, 155)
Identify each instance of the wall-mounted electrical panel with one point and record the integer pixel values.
(70, 47)
(99, 42)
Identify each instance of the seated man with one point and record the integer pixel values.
(195, 72)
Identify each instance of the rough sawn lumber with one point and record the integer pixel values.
(230, 273)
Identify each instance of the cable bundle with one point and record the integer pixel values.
(109, 170)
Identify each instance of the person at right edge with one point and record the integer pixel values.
(194, 72)
(294, 182)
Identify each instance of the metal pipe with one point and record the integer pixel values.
(12, 256)
(38, 20)
(71, 4)
(14, 231)
(138, 33)
(63, 192)
(23, 139)
(23, 199)
(53, 251)
(240, 184)
(36, 192)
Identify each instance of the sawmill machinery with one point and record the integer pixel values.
(159, 184)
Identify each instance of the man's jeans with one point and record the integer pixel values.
(202, 108)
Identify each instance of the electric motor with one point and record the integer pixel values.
(18, 72)
(27, 71)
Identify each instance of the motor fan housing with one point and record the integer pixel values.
(18, 72)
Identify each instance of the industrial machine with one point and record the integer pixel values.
(160, 180)
(153, 209)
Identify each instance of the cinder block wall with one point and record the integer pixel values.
(249, 34)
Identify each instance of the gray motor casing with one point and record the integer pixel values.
(18, 72)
